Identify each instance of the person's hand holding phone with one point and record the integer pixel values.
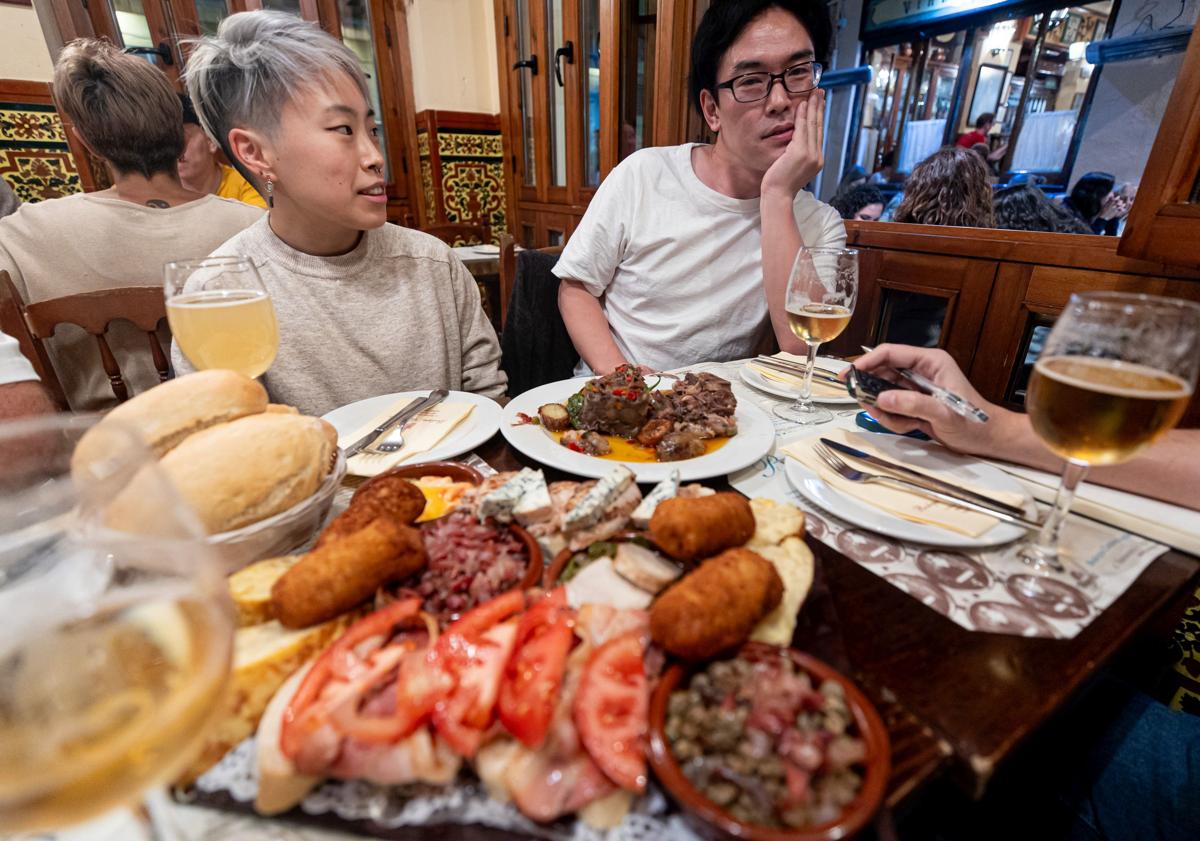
(904, 409)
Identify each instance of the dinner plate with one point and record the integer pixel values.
(753, 378)
(755, 436)
(487, 249)
(950, 466)
(476, 429)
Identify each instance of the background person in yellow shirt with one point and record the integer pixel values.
(202, 171)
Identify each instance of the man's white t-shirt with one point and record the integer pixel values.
(676, 265)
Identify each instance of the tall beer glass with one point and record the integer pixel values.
(115, 632)
(821, 293)
(221, 315)
(1116, 372)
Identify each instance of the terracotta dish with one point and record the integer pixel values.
(712, 822)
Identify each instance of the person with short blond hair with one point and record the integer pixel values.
(125, 112)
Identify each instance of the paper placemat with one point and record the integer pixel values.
(979, 589)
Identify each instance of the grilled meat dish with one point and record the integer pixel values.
(654, 431)
(616, 404)
(679, 445)
(589, 443)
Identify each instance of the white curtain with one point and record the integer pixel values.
(1044, 140)
(921, 139)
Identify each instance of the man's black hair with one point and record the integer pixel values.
(724, 22)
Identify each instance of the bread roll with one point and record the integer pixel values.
(168, 413)
(238, 473)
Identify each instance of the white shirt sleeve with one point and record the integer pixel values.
(597, 245)
(14, 367)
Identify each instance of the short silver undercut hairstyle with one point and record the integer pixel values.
(243, 77)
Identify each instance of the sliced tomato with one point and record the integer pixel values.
(303, 715)
(464, 715)
(535, 671)
(611, 709)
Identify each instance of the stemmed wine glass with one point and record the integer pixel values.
(1116, 372)
(114, 645)
(221, 314)
(821, 293)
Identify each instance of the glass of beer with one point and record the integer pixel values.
(821, 293)
(115, 633)
(1116, 372)
(221, 315)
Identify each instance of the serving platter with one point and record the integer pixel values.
(755, 437)
(919, 454)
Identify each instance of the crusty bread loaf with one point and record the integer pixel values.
(168, 413)
(237, 473)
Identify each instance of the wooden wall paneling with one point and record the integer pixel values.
(574, 99)
(510, 116)
(1003, 328)
(405, 199)
(72, 20)
(1164, 224)
(610, 80)
(673, 34)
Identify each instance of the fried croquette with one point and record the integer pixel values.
(715, 606)
(383, 496)
(333, 578)
(690, 529)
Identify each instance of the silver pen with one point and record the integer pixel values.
(959, 405)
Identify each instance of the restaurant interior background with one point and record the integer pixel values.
(508, 113)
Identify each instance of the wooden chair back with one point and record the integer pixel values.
(508, 271)
(12, 322)
(143, 306)
(455, 234)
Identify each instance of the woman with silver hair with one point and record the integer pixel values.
(364, 307)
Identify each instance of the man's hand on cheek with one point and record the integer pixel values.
(804, 155)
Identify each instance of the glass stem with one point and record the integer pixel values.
(806, 389)
(1072, 475)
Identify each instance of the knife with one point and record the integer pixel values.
(934, 484)
(413, 408)
(786, 368)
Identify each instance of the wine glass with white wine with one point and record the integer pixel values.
(221, 314)
(1116, 372)
(115, 645)
(821, 293)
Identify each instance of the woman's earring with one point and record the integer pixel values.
(270, 193)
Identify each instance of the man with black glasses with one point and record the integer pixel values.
(684, 253)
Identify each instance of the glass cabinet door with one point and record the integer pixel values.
(589, 60)
(556, 102)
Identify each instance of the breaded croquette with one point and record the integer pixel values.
(715, 606)
(688, 529)
(345, 572)
(383, 496)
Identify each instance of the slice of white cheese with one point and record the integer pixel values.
(501, 502)
(595, 502)
(534, 505)
(666, 489)
(598, 583)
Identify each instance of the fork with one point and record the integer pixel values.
(386, 446)
(851, 474)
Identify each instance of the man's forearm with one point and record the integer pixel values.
(780, 243)
(24, 399)
(588, 328)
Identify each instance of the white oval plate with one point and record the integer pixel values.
(917, 454)
(476, 429)
(756, 380)
(489, 249)
(756, 435)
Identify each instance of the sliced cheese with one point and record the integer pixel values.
(598, 583)
(596, 501)
(666, 489)
(251, 589)
(793, 560)
(534, 506)
(500, 503)
(264, 656)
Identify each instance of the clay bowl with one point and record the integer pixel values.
(533, 572)
(713, 822)
(450, 469)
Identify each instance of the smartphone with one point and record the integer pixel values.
(866, 388)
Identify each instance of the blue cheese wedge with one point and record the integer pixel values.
(501, 502)
(596, 501)
(666, 489)
(534, 506)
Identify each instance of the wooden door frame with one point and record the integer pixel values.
(510, 116)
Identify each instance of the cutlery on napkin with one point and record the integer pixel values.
(819, 389)
(421, 434)
(909, 506)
